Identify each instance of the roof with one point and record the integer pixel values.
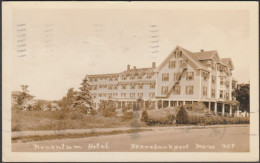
(139, 71)
(16, 93)
(196, 58)
(204, 55)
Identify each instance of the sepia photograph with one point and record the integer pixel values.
(130, 81)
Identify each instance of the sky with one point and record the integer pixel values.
(63, 45)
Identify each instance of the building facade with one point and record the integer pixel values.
(184, 77)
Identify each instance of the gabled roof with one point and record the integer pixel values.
(188, 54)
(225, 62)
(139, 71)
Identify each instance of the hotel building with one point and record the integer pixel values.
(183, 77)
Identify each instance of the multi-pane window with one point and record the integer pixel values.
(213, 94)
(205, 92)
(100, 95)
(104, 86)
(100, 86)
(132, 77)
(140, 95)
(165, 77)
(227, 84)
(115, 86)
(109, 95)
(123, 94)
(177, 90)
(152, 85)
(115, 94)
(151, 95)
(189, 90)
(124, 77)
(95, 79)
(176, 76)
(204, 75)
(132, 86)
(227, 95)
(164, 89)
(221, 94)
(132, 95)
(190, 76)
(221, 81)
(172, 64)
(213, 79)
(123, 86)
(183, 63)
(140, 86)
(109, 86)
(140, 77)
(94, 95)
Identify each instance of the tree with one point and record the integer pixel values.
(144, 117)
(242, 93)
(24, 97)
(182, 116)
(67, 101)
(83, 99)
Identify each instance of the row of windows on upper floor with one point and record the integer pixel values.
(123, 86)
(123, 77)
(189, 91)
(190, 76)
(124, 95)
(183, 63)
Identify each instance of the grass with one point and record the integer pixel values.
(60, 120)
(81, 135)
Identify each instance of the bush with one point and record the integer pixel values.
(93, 112)
(182, 116)
(171, 117)
(198, 120)
(144, 117)
(127, 116)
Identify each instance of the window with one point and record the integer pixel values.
(190, 76)
(189, 90)
(109, 95)
(140, 77)
(213, 94)
(123, 94)
(221, 81)
(152, 85)
(95, 79)
(140, 86)
(176, 76)
(205, 91)
(213, 79)
(104, 86)
(132, 95)
(227, 84)
(221, 94)
(164, 90)
(100, 94)
(132, 77)
(115, 86)
(172, 64)
(183, 63)
(109, 86)
(177, 90)
(123, 86)
(204, 76)
(132, 86)
(115, 94)
(165, 77)
(227, 95)
(110, 78)
(100, 86)
(104, 94)
(124, 77)
(140, 95)
(151, 95)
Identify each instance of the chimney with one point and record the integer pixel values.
(134, 67)
(201, 50)
(128, 67)
(153, 64)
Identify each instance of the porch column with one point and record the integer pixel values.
(183, 102)
(223, 108)
(216, 107)
(209, 106)
(230, 109)
(177, 103)
(156, 104)
(169, 103)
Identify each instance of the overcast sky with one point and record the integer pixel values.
(64, 45)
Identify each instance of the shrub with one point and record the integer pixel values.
(198, 120)
(182, 116)
(144, 117)
(93, 112)
(171, 117)
(127, 116)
